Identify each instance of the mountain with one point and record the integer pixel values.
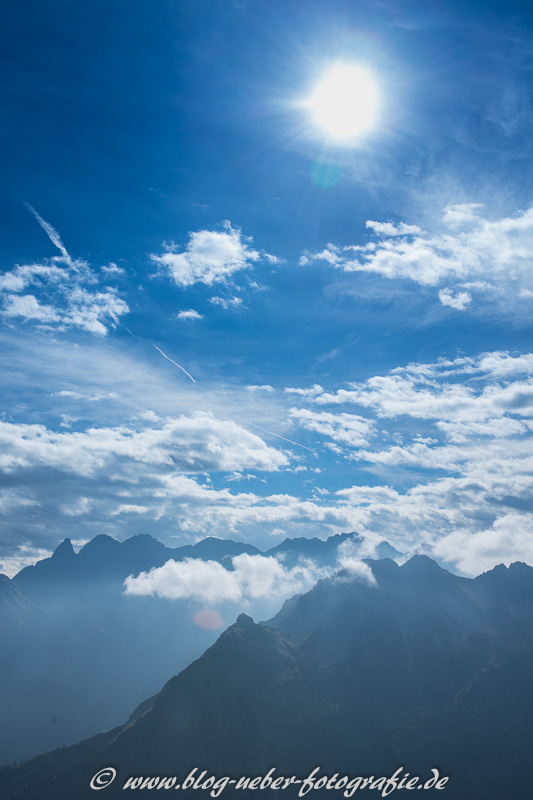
(325, 551)
(127, 645)
(104, 560)
(420, 669)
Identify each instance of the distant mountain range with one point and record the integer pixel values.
(65, 623)
(421, 669)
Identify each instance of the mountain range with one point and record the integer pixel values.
(65, 622)
(407, 667)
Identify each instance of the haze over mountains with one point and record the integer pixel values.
(407, 666)
(99, 651)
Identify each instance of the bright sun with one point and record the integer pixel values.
(344, 102)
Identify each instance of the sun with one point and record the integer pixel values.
(344, 102)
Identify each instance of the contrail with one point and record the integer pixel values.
(175, 363)
(270, 433)
(52, 235)
(278, 436)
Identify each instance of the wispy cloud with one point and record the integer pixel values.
(226, 302)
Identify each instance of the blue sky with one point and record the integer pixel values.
(350, 322)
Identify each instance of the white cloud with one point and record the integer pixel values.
(312, 391)
(60, 298)
(197, 442)
(28, 307)
(93, 398)
(433, 391)
(190, 314)
(455, 216)
(506, 541)
(210, 257)
(459, 300)
(389, 229)
(226, 302)
(113, 269)
(469, 251)
(264, 387)
(253, 577)
(349, 429)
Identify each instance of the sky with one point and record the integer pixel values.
(218, 316)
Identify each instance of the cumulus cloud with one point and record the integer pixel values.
(189, 314)
(59, 297)
(209, 257)
(253, 577)
(469, 251)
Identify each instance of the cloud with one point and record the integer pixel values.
(497, 384)
(459, 301)
(389, 229)
(252, 577)
(60, 298)
(29, 308)
(93, 398)
(190, 314)
(52, 234)
(349, 560)
(193, 443)
(346, 428)
(113, 269)
(264, 387)
(506, 541)
(312, 391)
(226, 302)
(210, 257)
(468, 251)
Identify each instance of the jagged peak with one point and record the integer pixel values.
(64, 550)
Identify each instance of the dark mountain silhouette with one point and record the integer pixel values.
(422, 670)
(122, 648)
(324, 551)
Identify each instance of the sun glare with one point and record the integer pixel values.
(344, 102)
